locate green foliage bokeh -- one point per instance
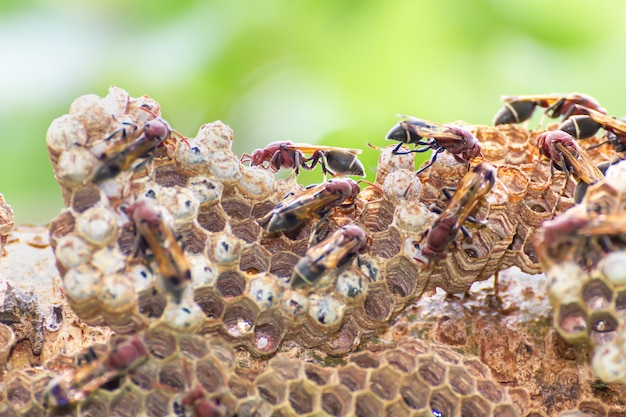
(327, 72)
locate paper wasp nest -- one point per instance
(239, 291)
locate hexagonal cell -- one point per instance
(397, 409)
(172, 375)
(432, 370)
(85, 198)
(151, 303)
(571, 319)
(337, 401)
(365, 360)
(271, 387)
(386, 245)
(126, 404)
(302, 396)
(377, 216)
(282, 264)
(210, 302)
(402, 276)
(61, 225)
(5, 411)
(230, 284)
(236, 208)
(160, 344)
(254, 259)
(477, 368)
(597, 295)
(352, 377)
(444, 401)
(385, 382)
(317, 374)
(193, 240)
(400, 360)
(157, 404)
(238, 386)
(239, 317)
(475, 405)
(246, 230)
(18, 392)
(95, 405)
(144, 376)
(210, 374)
(592, 409)
(460, 381)
(366, 405)
(529, 251)
(490, 390)
(378, 304)
(269, 332)
(211, 217)
(346, 339)
(259, 210)
(168, 176)
(192, 346)
(507, 410)
(602, 328)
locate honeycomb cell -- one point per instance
(151, 303)
(402, 276)
(211, 303)
(302, 396)
(337, 401)
(402, 185)
(377, 216)
(460, 381)
(397, 409)
(76, 167)
(203, 272)
(384, 382)
(237, 208)
(506, 410)
(365, 360)
(215, 135)
(193, 240)
(402, 361)
(378, 304)
(269, 332)
(444, 401)
(317, 374)
(475, 405)
(206, 189)
(95, 405)
(18, 391)
(239, 317)
(602, 328)
(85, 198)
(613, 267)
(72, 251)
(350, 283)
(192, 347)
(144, 376)
(225, 166)
(256, 181)
(591, 409)
(571, 320)
(326, 310)
(97, 226)
(161, 344)
(366, 405)
(386, 245)
(247, 230)
(157, 404)
(125, 404)
(172, 376)
(490, 390)
(230, 284)
(211, 218)
(223, 248)
(169, 176)
(352, 377)
(276, 245)
(210, 375)
(432, 371)
(272, 388)
(597, 295)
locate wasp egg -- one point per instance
(216, 135)
(402, 184)
(264, 291)
(564, 282)
(108, 260)
(76, 166)
(350, 283)
(64, 133)
(203, 272)
(181, 203)
(205, 189)
(81, 283)
(609, 364)
(223, 248)
(97, 226)
(256, 182)
(117, 294)
(225, 166)
(295, 303)
(72, 251)
(326, 310)
(413, 216)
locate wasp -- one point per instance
(566, 155)
(439, 137)
(518, 109)
(168, 253)
(474, 185)
(79, 383)
(335, 252)
(585, 126)
(288, 155)
(316, 200)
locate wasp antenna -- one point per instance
(374, 147)
(372, 184)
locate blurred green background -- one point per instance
(329, 72)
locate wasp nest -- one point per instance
(168, 234)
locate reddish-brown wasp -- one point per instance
(439, 137)
(288, 155)
(79, 383)
(518, 109)
(316, 200)
(335, 252)
(567, 156)
(585, 126)
(474, 185)
(173, 265)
